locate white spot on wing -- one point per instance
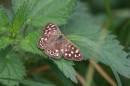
(72, 52)
(69, 46)
(77, 51)
(69, 55)
(57, 54)
(72, 48)
(66, 54)
(42, 39)
(52, 25)
(45, 33)
(45, 39)
(79, 54)
(75, 55)
(62, 50)
(41, 45)
(57, 50)
(49, 28)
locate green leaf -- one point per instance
(95, 42)
(19, 19)
(117, 77)
(35, 83)
(56, 11)
(11, 68)
(67, 68)
(3, 20)
(4, 42)
(129, 53)
(44, 11)
(29, 44)
(16, 4)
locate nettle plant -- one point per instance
(21, 29)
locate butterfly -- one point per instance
(56, 45)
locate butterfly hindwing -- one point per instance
(71, 52)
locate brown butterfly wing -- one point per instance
(55, 44)
(48, 41)
(71, 52)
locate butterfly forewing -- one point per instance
(48, 41)
(56, 44)
(51, 30)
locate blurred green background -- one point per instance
(115, 15)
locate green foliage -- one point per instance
(19, 19)
(34, 83)
(103, 52)
(3, 17)
(29, 44)
(11, 67)
(44, 11)
(81, 27)
(4, 42)
(67, 68)
(124, 33)
(3, 20)
(61, 12)
(98, 44)
(56, 11)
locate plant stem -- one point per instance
(107, 6)
(80, 78)
(103, 73)
(89, 75)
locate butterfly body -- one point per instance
(56, 45)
